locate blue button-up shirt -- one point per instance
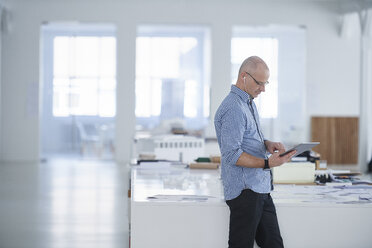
(238, 130)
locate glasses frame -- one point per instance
(257, 82)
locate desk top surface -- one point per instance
(165, 183)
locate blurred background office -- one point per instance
(88, 86)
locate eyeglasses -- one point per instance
(257, 82)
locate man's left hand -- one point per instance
(274, 147)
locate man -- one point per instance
(245, 166)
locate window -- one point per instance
(267, 49)
(84, 75)
(171, 78)
(282, 106)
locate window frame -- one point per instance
(50, 32)
(290, 125)
(274, 82)
(202, 34)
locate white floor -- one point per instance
(64, 203)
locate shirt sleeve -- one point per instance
(233, 125)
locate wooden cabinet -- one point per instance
(338, 137)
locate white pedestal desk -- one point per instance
(177, 207)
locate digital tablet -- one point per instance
(300, 148)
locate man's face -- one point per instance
(255, 83)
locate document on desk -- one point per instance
(354, 194)
(180, 198)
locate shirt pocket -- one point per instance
(251, 130)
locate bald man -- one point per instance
(245, 164)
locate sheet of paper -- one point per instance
(353, 194)
(177, 198)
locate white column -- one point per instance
(220, 68)
(368, 82)
(365, 119)
(1, 30)
(125, 102)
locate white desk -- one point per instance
(307, 218)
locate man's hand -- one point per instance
(276, 160)
(273, 147)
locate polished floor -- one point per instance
(64, 203)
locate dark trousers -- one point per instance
(253, 217)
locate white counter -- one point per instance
(172, 206)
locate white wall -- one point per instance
(332, 62)
(1, 136)
(333, 75)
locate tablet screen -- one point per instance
(300, 148)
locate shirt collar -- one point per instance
(241, 93)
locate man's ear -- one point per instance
(242, 74)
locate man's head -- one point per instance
(253, 76)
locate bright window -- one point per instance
(171, 82)
(84, 76)
(267, 49)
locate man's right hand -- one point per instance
(276, 160)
